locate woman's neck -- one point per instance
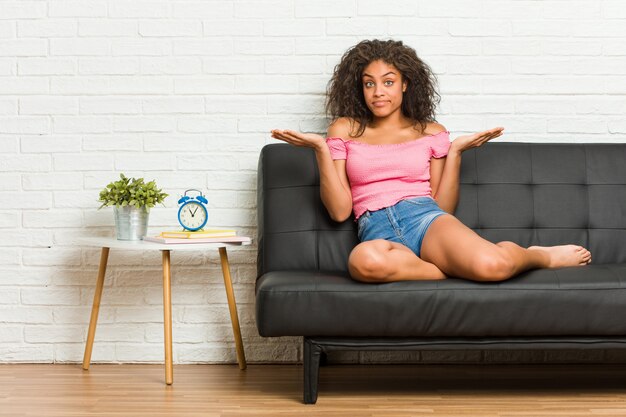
(395, 121)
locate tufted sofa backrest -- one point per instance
(528, 193)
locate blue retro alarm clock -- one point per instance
(192, 214)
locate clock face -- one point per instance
(192, 215)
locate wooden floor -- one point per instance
(345, 390)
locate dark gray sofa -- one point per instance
(531, 194)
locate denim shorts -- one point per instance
(405, 222)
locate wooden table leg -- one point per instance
(104, 256)
(232, 306)
(167, 317)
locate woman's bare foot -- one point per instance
(565, 255)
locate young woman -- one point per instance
(388, 161)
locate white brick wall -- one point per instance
(185, 92)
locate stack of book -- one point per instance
(200, 236)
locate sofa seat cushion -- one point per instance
(579, 301)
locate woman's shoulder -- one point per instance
(342, 127)
(434, 128)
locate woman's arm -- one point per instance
(444, 172)
(334, 185)
(444, 180)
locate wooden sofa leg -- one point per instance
(312, 355)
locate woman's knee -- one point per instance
(494, 265)
(369, 262)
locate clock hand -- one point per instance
(194, 212)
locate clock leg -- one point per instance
(232, 305)
(167, 317)
(104, 256)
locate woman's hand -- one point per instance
(309, 140)
(463, 143)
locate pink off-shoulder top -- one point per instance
(382, 175)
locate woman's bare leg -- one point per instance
(384, 261)
(458, 251)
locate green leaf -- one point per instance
(131, 191)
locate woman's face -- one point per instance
(382, 88)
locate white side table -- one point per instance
(107, 243)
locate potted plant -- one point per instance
(132, 199)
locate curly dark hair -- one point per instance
(344, 94)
